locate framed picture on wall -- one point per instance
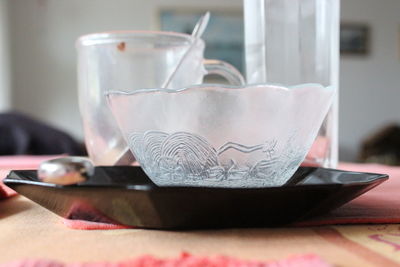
(354, 39)
(224, 35)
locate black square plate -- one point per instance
(125, 195)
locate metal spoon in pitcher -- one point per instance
(197, 32)
(127, 157)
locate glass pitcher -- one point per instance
(292, 42)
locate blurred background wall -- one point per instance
(38, 59)
(5, 64)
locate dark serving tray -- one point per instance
(125, 195)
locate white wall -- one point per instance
(5, 72)
(370, 86)
(43, 57)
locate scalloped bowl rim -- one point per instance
(218, 86)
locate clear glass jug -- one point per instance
(292, 42)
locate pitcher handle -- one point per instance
(224, 69)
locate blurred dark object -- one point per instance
(382, 147)
(20, 134)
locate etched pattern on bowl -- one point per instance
(183, 158)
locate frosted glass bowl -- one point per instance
(220, 136)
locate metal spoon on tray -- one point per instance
(65, 171)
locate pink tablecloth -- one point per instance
(185, 260)
(352, 245)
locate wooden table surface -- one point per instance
(28, 231)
